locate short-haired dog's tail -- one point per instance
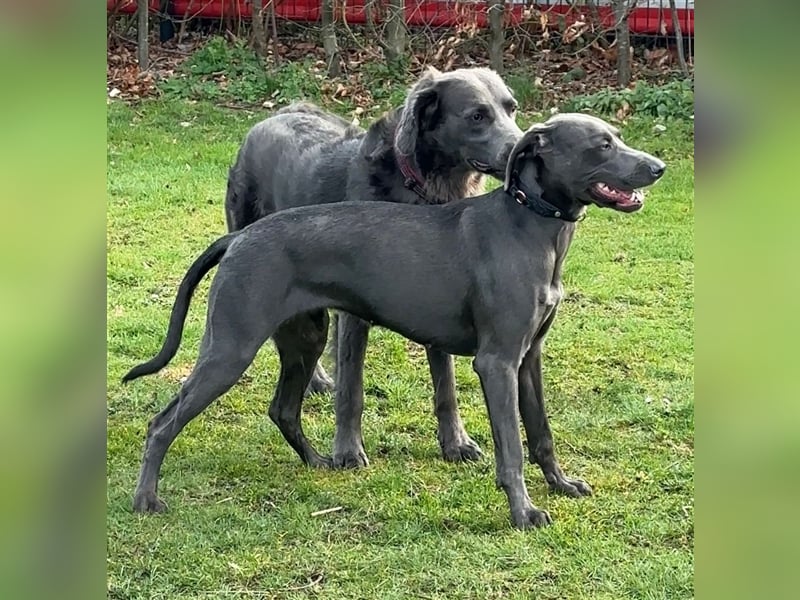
(202, 265)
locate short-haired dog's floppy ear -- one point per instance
(421, 99)
(535, 141)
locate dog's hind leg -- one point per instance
(454, 441)
(300, 342)
(218, 367)
(537, 427)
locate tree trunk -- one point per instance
(622, 9)
(143, 28)
(369, 11)
(676, 24)
(395, 30)
(259, 33)
(184, 21)
(329, 39)
(498, 39)
(276, 56)
(597, 23)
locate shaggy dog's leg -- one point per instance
(454, 441)
(300, 342)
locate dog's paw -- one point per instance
(461, 450)
(530, 518)
(575, 488)
(320, 384)
(317, 461)
(148, 502)
(351, 458)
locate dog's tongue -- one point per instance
(620, 197)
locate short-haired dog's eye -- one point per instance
(477, 117)
(606, 145)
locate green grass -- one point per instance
(618, 380)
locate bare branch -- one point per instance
(678, 38)
(142, 38)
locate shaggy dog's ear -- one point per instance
(417, 111)
(535, 141)
(378, 139)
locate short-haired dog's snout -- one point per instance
(657, 167)
(646, 169)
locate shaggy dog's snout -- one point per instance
(505, 153)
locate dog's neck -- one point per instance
(412, 178)
(526, 189)
(434, 180)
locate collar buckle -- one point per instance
(541, 206)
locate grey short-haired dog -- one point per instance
(492, 293)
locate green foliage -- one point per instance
(527, 93)
(225, 71)
(219, 56)
(674, 100)
(294, 81)
(388, 81)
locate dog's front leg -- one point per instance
(537, 427)
(498, 378)
(348, 445)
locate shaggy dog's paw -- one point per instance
(320, 384)
(317, 461)
(576, 488)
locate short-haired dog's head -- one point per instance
(576, 158)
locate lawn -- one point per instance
(618, 370)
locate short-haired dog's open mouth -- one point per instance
(616, 198)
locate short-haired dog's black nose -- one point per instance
(657, 168)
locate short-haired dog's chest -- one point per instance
(549, 296)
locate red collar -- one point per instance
(413, 180)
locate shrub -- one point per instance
(220, 70)
(674, 100)
(527, 93)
